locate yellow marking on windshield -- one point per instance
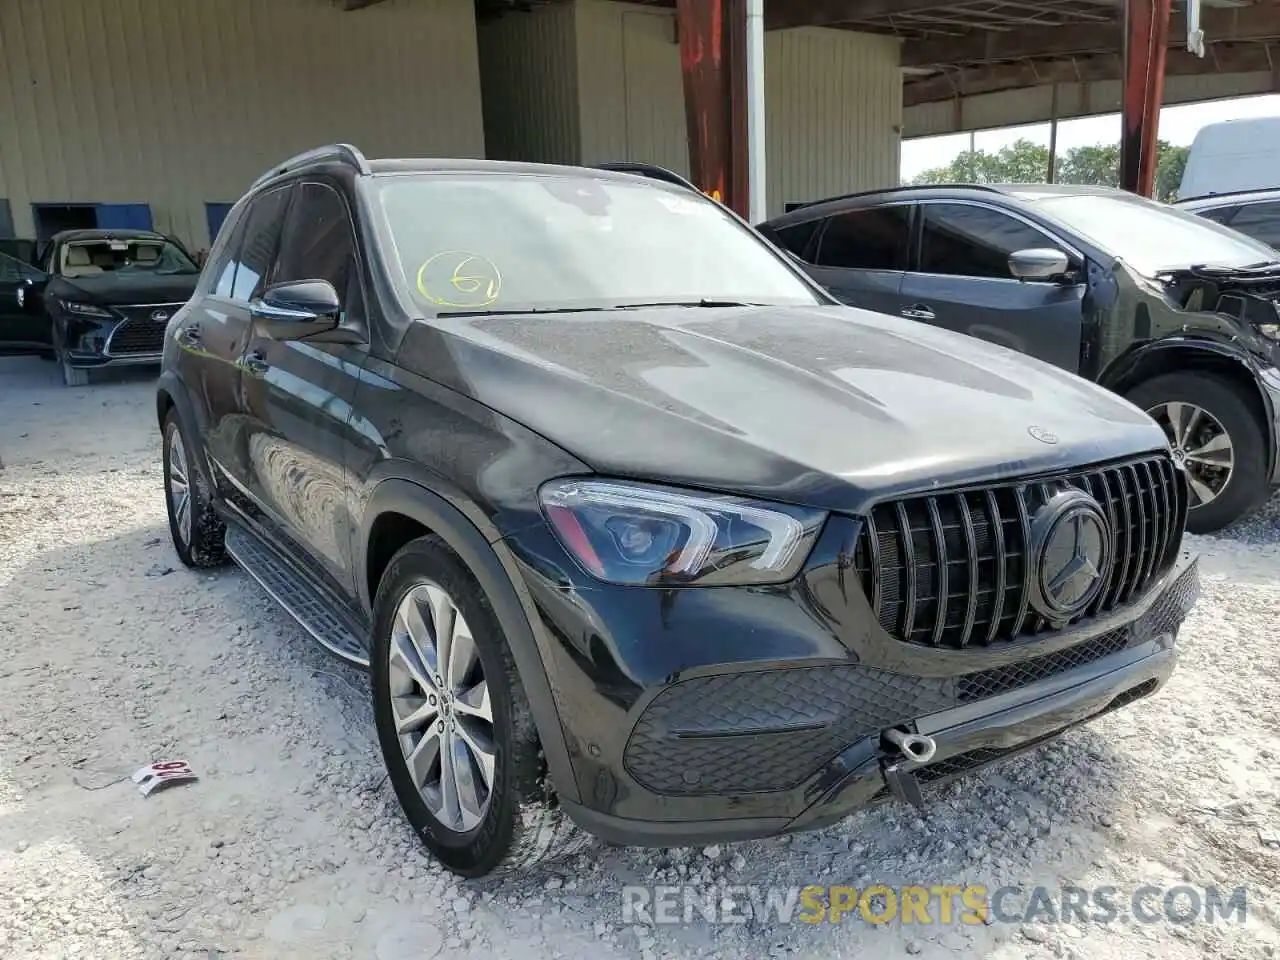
(456, 278)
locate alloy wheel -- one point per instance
(179, 486)
(1201, 444)
(441, 707)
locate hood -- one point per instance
(827, 406)
(109, 289)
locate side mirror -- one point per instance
(1038, 264)
(302, 308)
(28, 294)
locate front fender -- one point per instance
(493, 566)
(172, 392)
(1189, 353)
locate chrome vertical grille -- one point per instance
(953, 569)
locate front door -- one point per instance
(861, 256)
(298, 393)
(961, 280)
(23, 325)
(213, 329)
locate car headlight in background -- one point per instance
(638, 534)
(83, 309)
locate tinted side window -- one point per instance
(1218, 214)
(318, 243)
(970, 241)
(258, 248)
(796, 237)
(222, 259)
(1260, 221)
(872, 239)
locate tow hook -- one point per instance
(904, 748)
(915, 747)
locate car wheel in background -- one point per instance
(1217, 437)
(194, 526)
(453, 721)
(73, 376)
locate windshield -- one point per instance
(1152, 237)
(486, 243)
(83, 258)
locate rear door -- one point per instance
(961, 280)
(23, 325)
(861, 255)
(213, 330)
(298, 393)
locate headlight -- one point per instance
(83, 309)
(632, 533)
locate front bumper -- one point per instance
(131, 338)
(786, 735)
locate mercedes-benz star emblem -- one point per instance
(160, 316)
(1043, 435)
(1071, 547)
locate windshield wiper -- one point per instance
(518, 313)
(685, 303)
(602, 309)
(1218, 270)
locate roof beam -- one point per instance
(1261, 22)
(784, 14)
(973, 81)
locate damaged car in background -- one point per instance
(1172, 311)
(102, 298)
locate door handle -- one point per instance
(190, 333)
(256, 362)
(918, 311)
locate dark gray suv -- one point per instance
(1172, 311)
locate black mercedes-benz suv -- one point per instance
(1174, 312)
(631, 522)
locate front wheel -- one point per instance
(74, 376)
(453, 721)
(1217, 437)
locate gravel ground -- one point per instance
(290, 844)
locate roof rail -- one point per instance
(650, 170)
(1224, 194)
(905, 187)
(341, 152)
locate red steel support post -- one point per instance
(1146, 38)
(713, 60)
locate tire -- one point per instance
(1225, 401)
(520, 823)
(74, 376)
(197, 533)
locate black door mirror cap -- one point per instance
(310, 299)
(297, 309)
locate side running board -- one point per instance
(300, 599)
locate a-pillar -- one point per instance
(1146, 36)
(713, 60)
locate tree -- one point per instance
(1024, 161)
(1095, 165)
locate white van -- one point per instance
(1232, 156)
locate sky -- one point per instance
(1178, 125)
